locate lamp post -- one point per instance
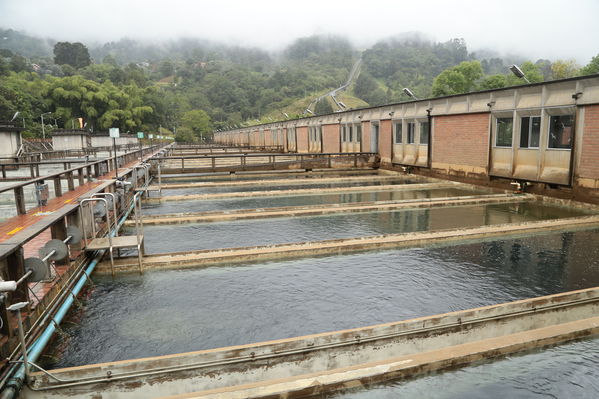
(43, 129)
(519, 73)
(409, 93)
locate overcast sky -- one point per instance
(533, 28)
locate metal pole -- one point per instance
(43, 130)
(17, 309)
(23, 347)
(116, 164)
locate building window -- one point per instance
(343, 134)
(411, 132)
(504, 132)
(358, 133)
(423, 132)
(398, 133)
(351, 134)
(560, 131)
(530, 131)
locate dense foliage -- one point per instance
(193, 87)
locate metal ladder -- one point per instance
(117, 242)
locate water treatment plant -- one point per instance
(446, 245)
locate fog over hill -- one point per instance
(536, 28)
(193, 67)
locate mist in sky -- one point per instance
(532, 28)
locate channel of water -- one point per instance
(175, 311)
(168, 207)
(196, 236)
(289, 186)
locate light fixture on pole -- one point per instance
(409, 93)
(519, 73)
(44, 130)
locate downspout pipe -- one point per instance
(429, 147)
(15, 383)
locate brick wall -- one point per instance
(331, 138)
(302, 139)
(461, 140)
(385, 132)
(589, 152)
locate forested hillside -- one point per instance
(192, 87)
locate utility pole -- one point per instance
(43, 129)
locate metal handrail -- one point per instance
(62, 172)
(93, 221)
(254, 155)
(114, 214)
(93, 218)
(146, 167)
(139, 228)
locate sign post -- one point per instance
(114, 133)
(140, 135)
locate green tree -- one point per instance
(73, 54)
(18, 63)
(323, 107)
(185, 135)
(166, 68)
(493, 82)
(592, 67)
(562, 69)
(198, 122)
(459, 79)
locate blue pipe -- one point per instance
(15, 383)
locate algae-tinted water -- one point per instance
(300, 200)
(175, 311)
(187, 237)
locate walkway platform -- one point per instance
(115, 242)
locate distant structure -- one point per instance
(10, 139)
(73, 139)
(545, 134)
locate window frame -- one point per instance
(529, 133)
(572, 127)
(398, 124)
(427, 131)
(496, 141)
(411, 138)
